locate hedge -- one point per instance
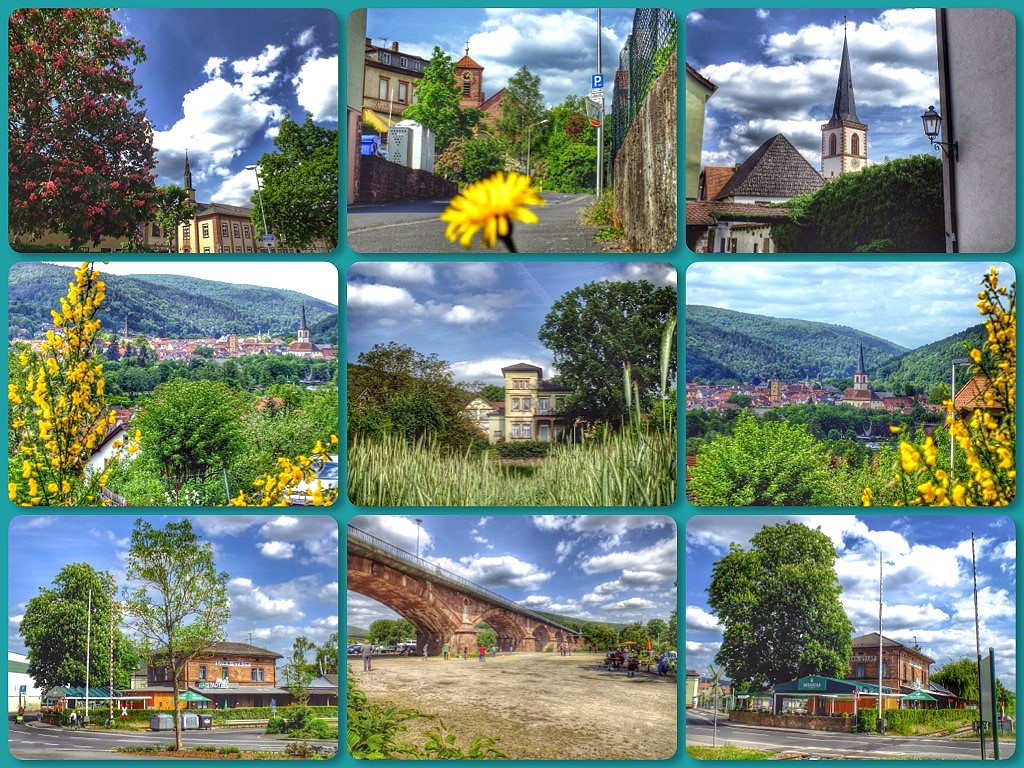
(903, 721)
(533, 449)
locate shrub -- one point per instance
(533, 449)
(229, 750)
(276, 724)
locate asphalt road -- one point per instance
(38, 741)
(416, 227)
(699, 729)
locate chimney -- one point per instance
(394, 47)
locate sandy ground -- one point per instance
(542, 706)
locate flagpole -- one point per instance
(88, 647)
(977, 646)
(880, 725)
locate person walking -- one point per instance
(426, 650)
(74, 718)
(444, 651)
(367, 659)
(483, 653)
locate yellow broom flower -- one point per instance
(490, 205)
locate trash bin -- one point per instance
(189, 721)
(161, 723)
(205, 722)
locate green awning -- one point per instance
(919, 696)
(192, 696)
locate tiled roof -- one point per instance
(550, 386)
(522, 367)
(776, 169)
(698, 212)
(243, 649)
(700, 78)
(212, 209)
(716, 177)
(972, 395)
(467, 63)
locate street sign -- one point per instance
(268, 238)
(597, 81)
(597, 94)
(594, 112)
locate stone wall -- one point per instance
(384, 182)
(803, 722)
(645, 170)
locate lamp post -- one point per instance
(932, 122)
(952, 408)
(528, 144)
(259, 191)
(418, 522)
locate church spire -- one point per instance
(188, 173)
(844, 107)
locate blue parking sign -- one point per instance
(597, 81)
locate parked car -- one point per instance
(354, 649)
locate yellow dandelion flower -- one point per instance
(490, 206)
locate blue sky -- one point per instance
(478, 316)
(282, 571)
(926, 585)
(559, 45)
(617, 568)
(218, 82)
(910, 303)
(780, 74)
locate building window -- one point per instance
(520, 384)
(385, 57)
(403, 92)
(558, 402)
(257, 674)
(206, 230)
(403, 62)
(202, 672)
(832, 144)
(542, 403)
(382, 90)
(515, 430)
(515, 403)
(885, 669)
(526, 403)
(236, 230)
(526, 430)
(245, 230)
(206, 249)
(223, 673)
(467, 84)
(855, 144)
(156, 230)
(223, 229)
(185, 232)
(860, 672)
(904, 671)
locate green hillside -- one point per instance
(170, 305)
(723, 344)
(926, 366)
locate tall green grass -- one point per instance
(629, 468)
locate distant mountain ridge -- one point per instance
(725, 344)
(170, 305)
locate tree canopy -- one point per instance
(80, 149)
(779, 604)
(437, 103)
(522, 105)
(177, 600)
(55, 626)
(173, 207)
(895, 206)
(596, 330)
(299, 186)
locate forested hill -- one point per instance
(170, 305)
(929, 365)
(723, 344)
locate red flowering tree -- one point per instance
(80, 149)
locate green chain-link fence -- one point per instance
(641, 60)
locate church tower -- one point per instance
(844, 138)
(469, 78)
(860, 376)
(188, 180)
(303, 332)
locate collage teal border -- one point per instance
(983, 260)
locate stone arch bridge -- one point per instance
(444, 607)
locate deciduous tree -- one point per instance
(80, 149)
(522, 105)
(299, 186)
(437, 103)
(595, 330)
(779, 603)
(173, 206)
(177, 600)
(55, 628)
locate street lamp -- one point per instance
(952, 409)
(932, 122)
(418, 522)
(259, 191)
(528, 144)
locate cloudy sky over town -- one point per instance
(218, 82)
(910, 303)
(780, 76)
(616, 568)
(478, 316)
(559, 45)
(282, 571)
(927, 580)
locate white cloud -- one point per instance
(698, 619)
(277, 550)
(400, 531)
(251, 602)
(463, 315)
(496, 571)
(375, 297)
(401, 272)
(316, 88)
(632, 605)
(304, 38)
(660, 557)
(214, 66)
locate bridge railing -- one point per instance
(437, 570)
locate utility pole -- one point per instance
(600, 128)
